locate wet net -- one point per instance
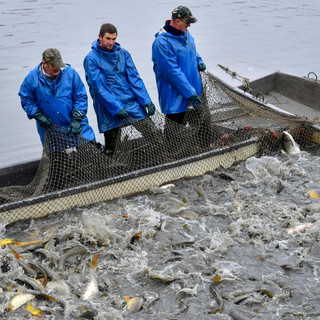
(229, 127)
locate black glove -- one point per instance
(194, 101)
(149, 108)
(75, 124)
(201, 67)
(122, 114)
(43, 120)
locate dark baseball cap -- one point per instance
(182, 12)
(53, 57)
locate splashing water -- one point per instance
(178, 251)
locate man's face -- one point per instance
(108, 40)
(183, 25)
(50, 70)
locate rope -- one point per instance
(245, 81)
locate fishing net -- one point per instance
(228, 128)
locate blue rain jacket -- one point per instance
(114, 84)
(175, 64)
(56, 99)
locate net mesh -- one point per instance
(225, 120)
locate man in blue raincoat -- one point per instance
(176, 65)
(118, 93)
(53, 93)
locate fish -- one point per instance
(27, 268)
(94, 261)
(216, 294)
(58, 287)
(71, 252)
(216, 278)
(161, 225)
(19, 300)
(269, 293)
(22, 244)
(134, 304)
(135, 237)
(288, 143)
(87, 313)
(41, 273)
(165, 189)
(299, 228)
(31, 243)
(225, 177)
(199, 192)
(237, 315)
(188, 214)
(35, 311)
(315, 194)
(32, 282)
(91, 289)
(8, 241)
(167, 186)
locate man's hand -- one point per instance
(201, 67)
(75, 124)
(149, 109)
(194, 101)
(122, 114)
(43, 120)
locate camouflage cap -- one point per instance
(182, 12)
(53, 57)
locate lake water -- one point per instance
(253, 38)
(222, 237)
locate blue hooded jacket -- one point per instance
(56, 99)
(175, 64)
(114, 84)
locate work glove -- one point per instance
(75, 124)
(43, 120)
(122, 114)
(149, 108)
(201, 67)
(194, 101)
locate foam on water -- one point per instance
(229, 225)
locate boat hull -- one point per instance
(300, 96)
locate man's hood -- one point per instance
(96, 46)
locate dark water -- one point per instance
(218, 242)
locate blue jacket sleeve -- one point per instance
(199, 59)
(27, 97)
(136, 83)
(99, 87)
(167, 63)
